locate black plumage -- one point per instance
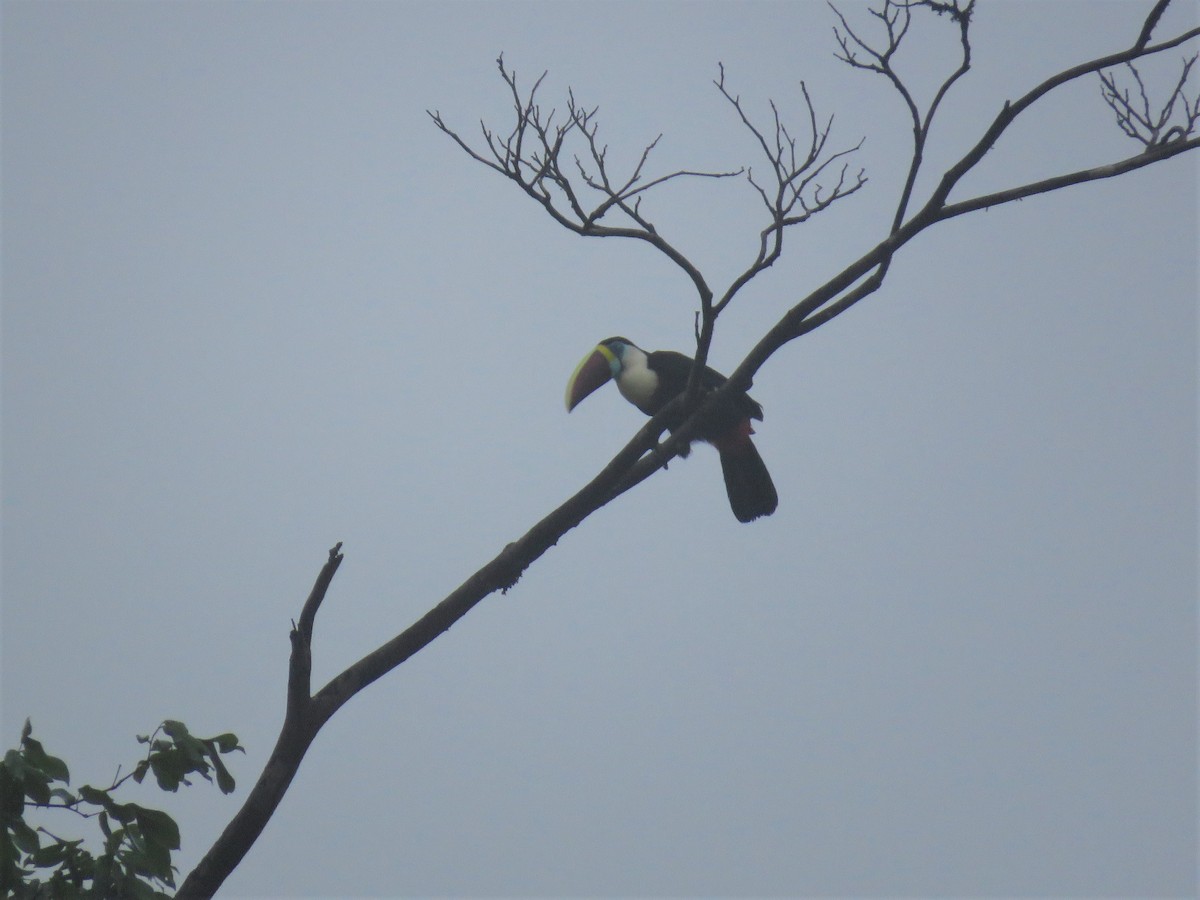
(652, 380)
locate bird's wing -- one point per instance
(678, 366)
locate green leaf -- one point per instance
(14, 761)
(140, 890)
(158, 828)
(60, 887)
(167, 771)
(140, 770)
(50, 855)
(134, 837)
(147, 859)
(114, 841)
(58, 853)
(12, 796)
(194, 751)
(37, 787)
(224, 780)
(56, 769)
(25, 837)
(53, 767)
(95, 796)
(33, 750)
(228, 742)
(124, 812)
(158, 859)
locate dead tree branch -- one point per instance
(1136, 116)
(300, 727)
(866, 275)
(859, 54)
(794, 194)
(532, 156)
(579, 189)
(535, 157)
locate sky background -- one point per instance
(254, 303)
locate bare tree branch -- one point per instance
(1136, 117)
(1151, 22)
(300, 726)
(897, 18)
(793, 176)
(531, 156)
(795, 180)
(804, 316)
(534, 157)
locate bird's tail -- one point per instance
(747, 481)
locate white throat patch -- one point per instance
(636, 382)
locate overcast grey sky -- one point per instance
(254, 303)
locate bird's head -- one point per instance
(601, 364)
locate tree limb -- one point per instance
(802, 318)
(531, 156)
(300, 726)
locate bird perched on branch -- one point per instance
(652, 380)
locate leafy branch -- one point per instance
(137, 840)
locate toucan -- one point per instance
(652, 380)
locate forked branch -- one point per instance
(564, 166)
(1148, 122)
(866, 274)
(877, 57)
(533, 155)
(577, 188)
(793, 191)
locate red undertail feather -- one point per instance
(734, 439)
(747, 481)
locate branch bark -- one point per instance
(812, 311)
(300, 726)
